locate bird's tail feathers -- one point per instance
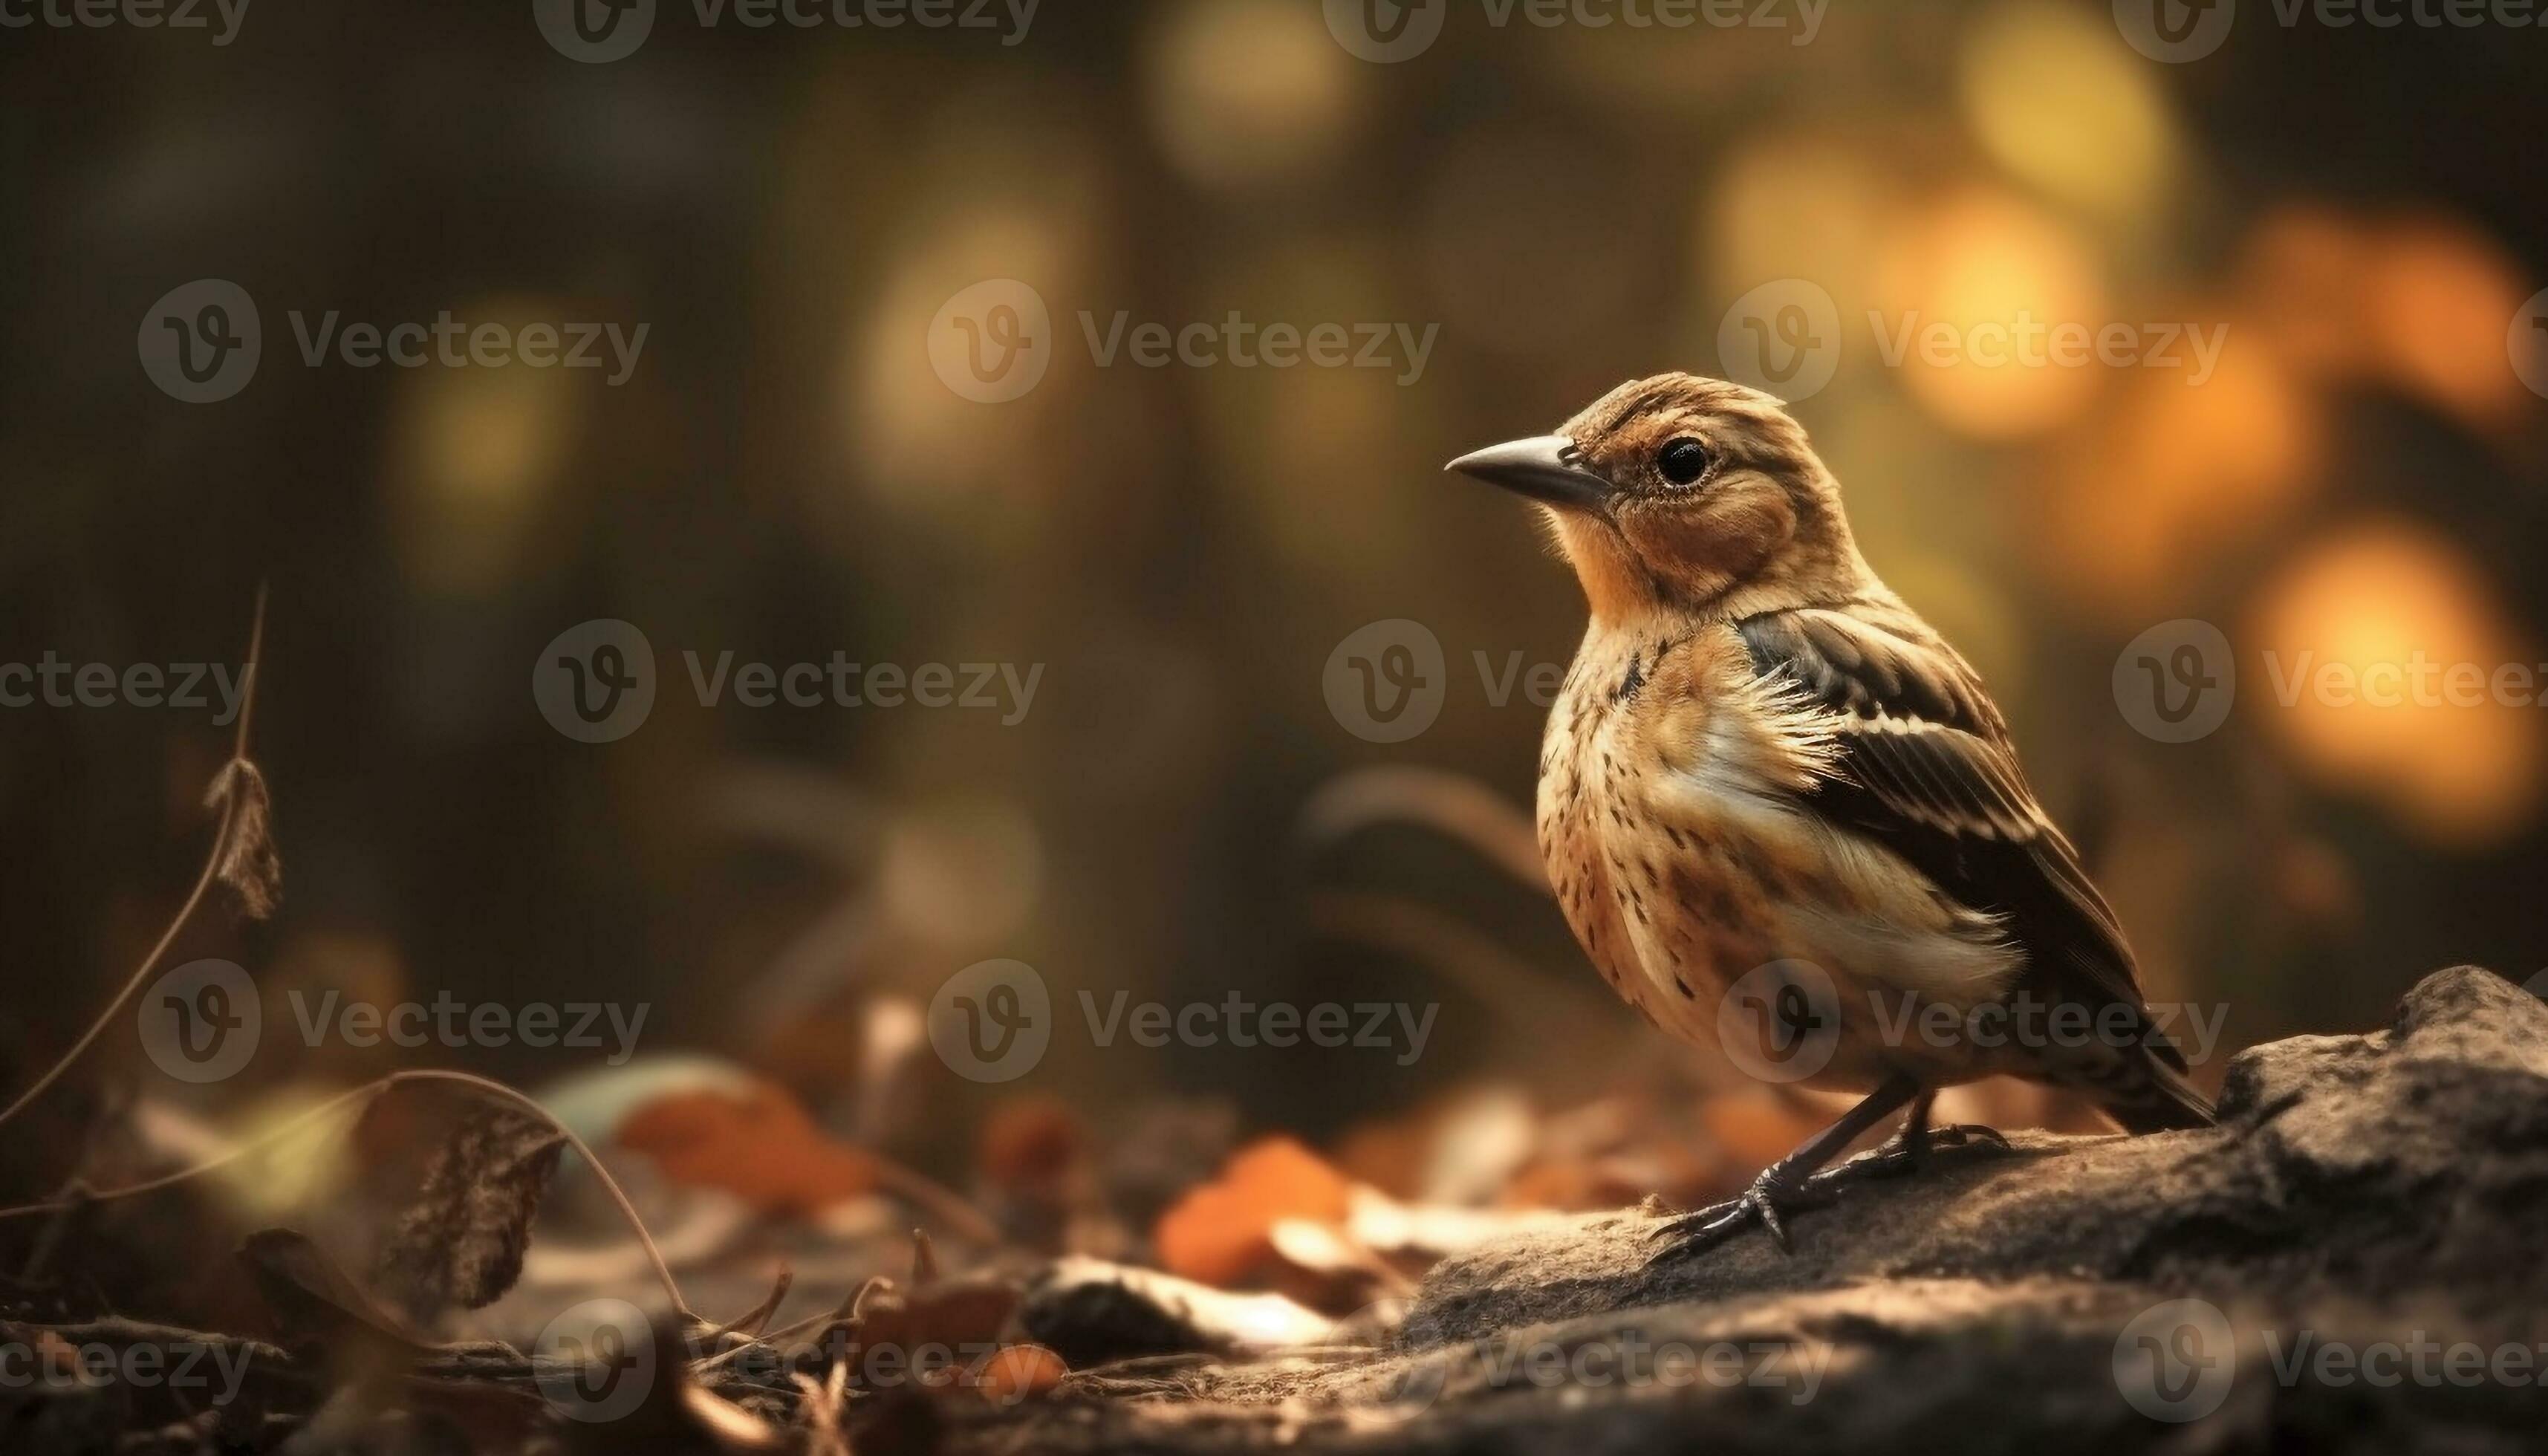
(2162, 1101)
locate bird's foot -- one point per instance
(1906, 1151)
(1769, 1200)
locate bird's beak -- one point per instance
(1546, 468)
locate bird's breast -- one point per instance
(1676, 818)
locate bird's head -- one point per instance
(1683, 493)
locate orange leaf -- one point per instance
(1220, 1232)
(1031, 1143)
(761, 1147)
(1008, 1375)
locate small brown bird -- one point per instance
(1767, 776)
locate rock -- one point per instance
(2371, 1198)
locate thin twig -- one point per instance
(938, 1198)
(231, 807)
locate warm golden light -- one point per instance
(2387, 666)
(476, 453)
(1965, 285)
(1243, 91)
(2178, 473)
(2055, 97)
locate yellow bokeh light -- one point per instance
(2441, 297)
(2052, 94)
(476, 451)
(2385, 666)
(2418, 304)
(2179, 472)
(1244, 91)
(1791, 205)
(1964, 286)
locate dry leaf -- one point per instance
(1006, 1377)
(759, 1145)
(1223, 1231)
(460, 1242)
(251, 864)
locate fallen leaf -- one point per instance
(1011, 1375)
(1223, 1231)
(758, 1144)
(460, 1242)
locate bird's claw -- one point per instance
(1967, 1135)
(1906, 1151)
(1768, 1199)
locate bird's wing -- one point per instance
(1926, 768)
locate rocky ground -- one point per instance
(2351, 1260)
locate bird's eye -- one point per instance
(1683, 461)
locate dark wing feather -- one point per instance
(1926, 768)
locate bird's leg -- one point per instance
(1909, 1148)
(1787, 1183)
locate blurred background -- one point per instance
(1180, 813)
